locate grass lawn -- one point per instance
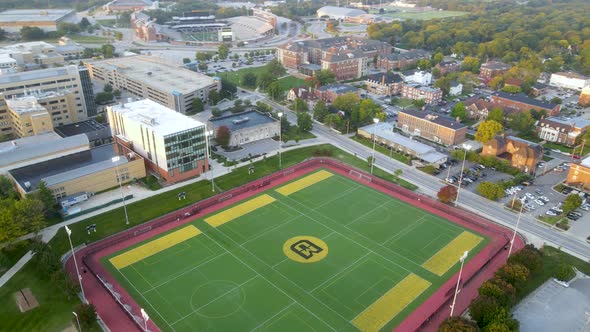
(236, 76)
(429, 15)
(289, 82)
(89, 39)
(313, 254)
(403, 102)
(11, 254)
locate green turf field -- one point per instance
(320, 253)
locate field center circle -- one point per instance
(227, 291)
(305, 249)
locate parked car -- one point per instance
(539, 191)
(540, 202)
(544, 199)
(529, 195)
(551, 213)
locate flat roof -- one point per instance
(68, 167)
(242, 120)
(33, 15)
(91, 128)
(27, 104)
(578, 122)
(37, 146)
(162, 76)
(161, 119)
(38, 74)
(435, 118)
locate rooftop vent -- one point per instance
(241, 120)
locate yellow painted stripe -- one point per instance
(390, 304)
(304, 183)
(448, 256)
(151, 248)
(239, 210)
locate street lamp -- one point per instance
(207, 146)
(462, 260)
(515, 229)
(69, 232)
(116, 160)
(280, 114)
(145, 317)
(461, 177)
(77, 321)
(375, 121)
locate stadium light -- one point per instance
(116, 160)
(462, 260)
(207, 146)
(280, 114)
(515, 230)
(375, 121)
(461, 174)
(77, 321)
(69, 232)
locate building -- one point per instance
(172, 144)
(445, 67)
(146, 28)
(539, 89)
(7, 64)
(384, 84)
(479, 108)
(456, 88)
(433, 127)
(520, 153)
(13, 20)
(246, 127)
(560, 131)
(330, 92)
(569, 80)
(35, 149)
(301, 92)
(339, 13)
(417, 77)
(89, 171)
(97, 133)
(492, 69)
(431, 96)
(401, 60)
(347, 57)
(584, 97)
(69, 49)
(522, 102)
(384, 135)
(579, 174)
(33, 55)
(117, 6)
(145, 77)
(62, 80)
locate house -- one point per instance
(522, 102)
(301, 92)
(561, 131)
(384, 84)
(492, 69)
(402, 60)
(433, 127)
(579, 174)
(479, 108)
(585, 97)
(430, 95)
(569, 80)
(330, 92)
(456, 88)
(539, 89)
(446, 67)
(520, 153)
(417, 76)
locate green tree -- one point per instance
(457, 324)
(223, 136)
(265, 79)
(320, 111)
(459, 111)
(86, 314)
(323, 77)
(564, 272)
(521, 122)
(424, 64)
(215, 112)
(108, 88)
(470, 64)
(484, 310)
(274, 68)
(487, 130)
(397, 173)
(304, 122)
(223, 51)
(299, 105)
(117, 93)
(108, 51)
(103, 97)
(2, 34)
(202, 66)
(203, 56)
(444, 83)
(447, 194)
(46, 197)
(438, 58)
(530, 257)
(275, 90)
(418, 103)
(347, 102)
(249, 80)
(513, 273)
(496, 114)
(333, 120)
(490, 190)
(31, 33)
(186, 60)
(197, 105)
(512, 89)
(572, 202)
(7, 189)
(499, 289)
(214, 97)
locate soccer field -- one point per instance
(319, 253)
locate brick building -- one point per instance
(402, 60)
(522, 102)
(384, 84)
(561, 131)
(330, 92)
(579, 174)
(479, 108)
(585, 97)
(446, 67)
(430, 95)
(492, 69)
(522, 154)
(434, 127)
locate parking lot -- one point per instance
(473, 176)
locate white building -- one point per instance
(569, 80)
(456, 88)
(246, 127)
(147, 77)
(172, 144)
(339, 13)
(13, 20)
(417, 77)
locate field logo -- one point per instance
(305, 249)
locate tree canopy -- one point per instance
(487, 130)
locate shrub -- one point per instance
(513, 273)
(457, 324)
(564, 272)
(530, 257)
(447, 194)
(86, 314)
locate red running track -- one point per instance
(426, 317)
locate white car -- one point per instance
(529, 207)
(540, 202)
(529, 195)
(550, 213)
(544, 199)
(585, 207)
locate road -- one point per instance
(430, 185)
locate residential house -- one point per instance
(417, 76)
(561, 131)
(384, 84)
(479, 108)
(539, 89)
(430, 95)
(402, 60)
(456, 88)
(520, 153)
(492, 69)
(446, 67)
(330, 92)
(434, 127)
(301, 92)
(522, 102)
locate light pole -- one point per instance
(69, 232)
(120, 180)
(461, 177)
(515, 229)
(77, 321)
(375, 121)
(280, 114)
(145, 317)
(462, 260)
(207, 134)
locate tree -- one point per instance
(496, 114)
(572, 202)
(197, 105)
(31, 33)
(499, 289)
(457, 324)
(46, 197)
(304, 122)
(7, 189)
(556, 100)
(249, 80)
(214, 97)
(86, 314)
(470, 64)
(444, 83)
(108, 88)
(299, 105)
(484, 310)
(447, 194)
(564, 272)
(320, 111)
(424, 64)
(513, 273)
(528, 256)
(223, 136)
(2, 34)
(490, 190)
(325, 76)
(347, 102)
(215, 112)
(275, 90)
(419, 103)
(186, 60)
(103, 97)
(459, 111)
(274, 68)
(223, 51)
(228, 88)
(118, 35)
(203, 56)
(521, 122)
(397, 174)
(438, 58)
(84, 23)
(107, 50)
(512, 89)
(202, 67)
(487, 130)
(333, 120)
